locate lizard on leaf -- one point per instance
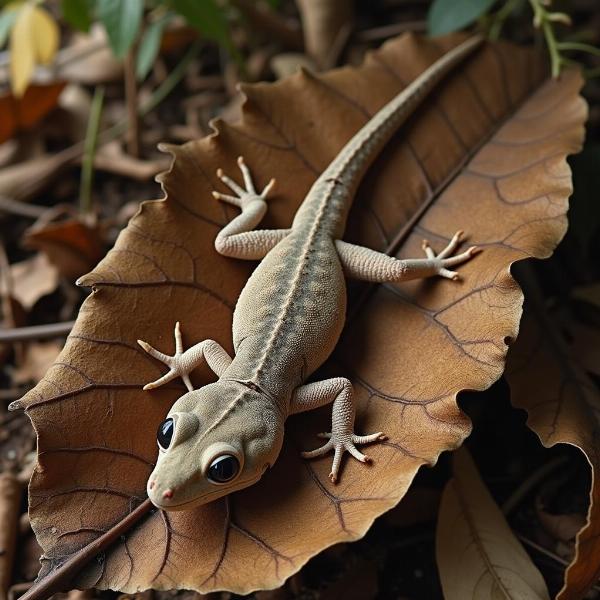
(222, 437)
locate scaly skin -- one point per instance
(286, 323)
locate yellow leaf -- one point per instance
(22, 51)
(34, 38)
(45, 34)
(477, 553)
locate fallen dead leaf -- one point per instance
(112, 158)
(71, 245)
(286, 64)
(21, 114)
(39, 357)
(563, 405)
(478, 555)
(33, 278)
(88, 60)
(76, 102)
(34, 39)
(24, 180)
(485, 153)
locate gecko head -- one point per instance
(214, 441)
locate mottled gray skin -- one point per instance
(287, 321)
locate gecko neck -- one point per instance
(333, 192)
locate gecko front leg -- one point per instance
(342, 437)
(236, 239)
(182, 363)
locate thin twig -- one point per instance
(542, 550)
(8, 396)
(270, 22)
(549, 554)
(530, 483)
(36, 332)
(21, 209)
(61, 578)
(387, 31)
(65, 56)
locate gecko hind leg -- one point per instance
(237, 240)
(368, 265)
(182, 363)
(342, 437)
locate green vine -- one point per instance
(544, 20)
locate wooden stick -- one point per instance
(60, 578)
(36, 332)
(10, 508)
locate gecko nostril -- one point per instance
(151, 485)
(168, 493)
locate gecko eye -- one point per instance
(223, 469)
(164, 435)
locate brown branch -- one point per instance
(60, 579)
(10, 504)
(36, 332)
(285, 31)
(377, 34)
(15, 207)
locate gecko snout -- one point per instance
(158, 492)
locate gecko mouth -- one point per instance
(206, 498)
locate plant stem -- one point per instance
(555, 60)
(90, 144)
(159, 94)
(72, 153)
(579, 47)
(131, 100)
(500, 17)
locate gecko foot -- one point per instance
(340, 443)
(180, 364)
(445, 258)
(243, 197)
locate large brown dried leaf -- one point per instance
(547, 379)
(485, 153)
(478, 556)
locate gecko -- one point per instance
(288, 318)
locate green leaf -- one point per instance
(207, 17)
(7, 19)
(149, 46)
(77, 14)
(121, 19)
(446, 16)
